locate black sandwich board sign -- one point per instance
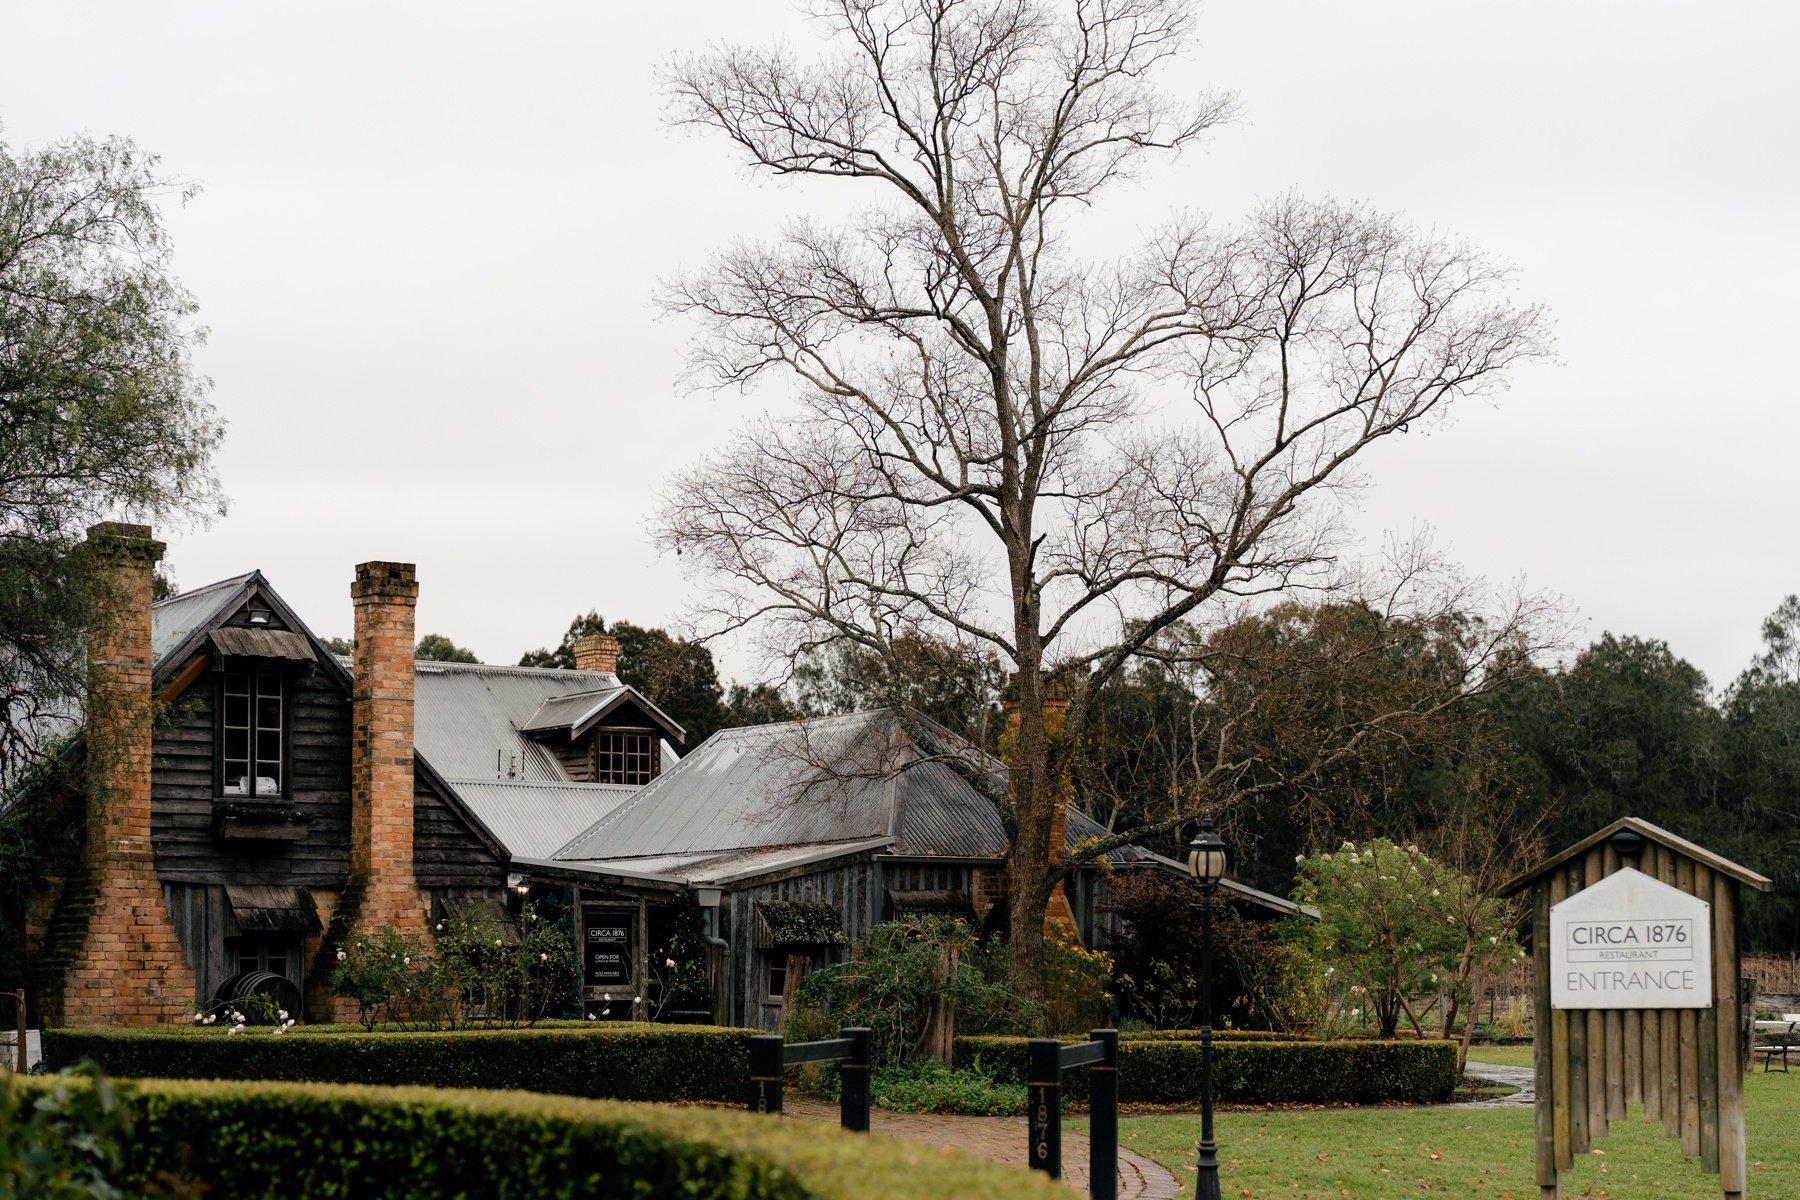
(1634, 933)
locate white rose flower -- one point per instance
(496, 941)
(440, 927)
(669, 962)
(282, 1013)
(199, 1017)
(342, 956)
(543, 958)
(590, 1016)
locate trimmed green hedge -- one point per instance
(313, 1141)
(1219, 1035)
(1248, 1071)
(614, 1061)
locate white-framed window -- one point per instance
(251, 734)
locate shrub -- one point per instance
(477, 969)
(932, 1087)
(307, 1141)
(895, 981)
(1258, 981)
(615, 1060)
(1248, 1071)
(63, 1140)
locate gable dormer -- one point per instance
(610, 734)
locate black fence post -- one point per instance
(1103, 1118)
(765, 1073)
(853, 1081)
(1044, 1093)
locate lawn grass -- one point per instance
(1375, 1154)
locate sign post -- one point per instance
(1634, 939)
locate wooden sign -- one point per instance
(1634, 937)
(1631, 941)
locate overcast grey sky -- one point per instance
(431, 233)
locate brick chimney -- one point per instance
(597, 652)
(1059, 917)
(130, 968)
(381, 748)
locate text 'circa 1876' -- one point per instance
(1631, 941)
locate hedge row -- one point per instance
(1248, 1071)
(614, 1061)
(312, 1141)
(1219, 1035)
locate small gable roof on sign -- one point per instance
(1650, 833)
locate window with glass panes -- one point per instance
(263, 953)
(624, 757)
(250, 729)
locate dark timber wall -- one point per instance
(183, 786)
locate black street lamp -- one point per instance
(1206, 863)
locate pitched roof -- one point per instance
(1653, 833)
(534, 819)
(818, 782)
(469, 719)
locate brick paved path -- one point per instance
(1003, 1140)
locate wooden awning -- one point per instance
(797, 923)
(269, 908)
(239, 641)
(931, 903)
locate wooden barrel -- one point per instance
(245, 984)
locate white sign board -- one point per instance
(1631, 941)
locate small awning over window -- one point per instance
(266, 908)
(240, 642)
(489, 910)
(930, 904)
(794, 922)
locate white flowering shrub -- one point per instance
(471, 969)
(1397, 929)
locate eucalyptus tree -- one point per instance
(1004, 444)
(102, 410)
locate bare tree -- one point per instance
(1000, 444)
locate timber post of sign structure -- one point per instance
(1043, 1097)
(766, 1072)
(1638, 999)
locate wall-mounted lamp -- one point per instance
(259, 616)
(516, 881)
(708, 897)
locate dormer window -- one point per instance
(621, 757)
(251, 729)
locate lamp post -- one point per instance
(1206, 863)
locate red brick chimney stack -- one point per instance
(381, 751)
(597, 652)
(130, 969)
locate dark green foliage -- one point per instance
(312, 1142)
(1157, 967)
(958, 686)
(101, 410)
(63, 1140)
(928, 1086)
(1248, 1070)
(30, 836)
(611, 1061)
(892, 982)
(435, 647)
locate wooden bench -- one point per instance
(1779, 1043)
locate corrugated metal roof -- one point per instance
(174, 619)
(800, 783)
(532, 820)
(821, 780)
(710, 868)
(468, 716)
